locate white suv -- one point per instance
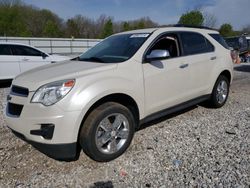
(98, 101)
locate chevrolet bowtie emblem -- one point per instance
(9, 98)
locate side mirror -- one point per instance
(158, 55)
(44, 55)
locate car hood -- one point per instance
(59, 71)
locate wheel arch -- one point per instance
(227, 74)
(120, 98)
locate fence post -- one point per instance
(71, 50)
(51, 51)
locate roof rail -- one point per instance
(192, 26)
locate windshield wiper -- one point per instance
(94, 59)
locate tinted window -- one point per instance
(194, 43)
(220, 40)
(25, 50)
(5, 50)
(232, 42)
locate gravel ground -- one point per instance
(200, 147)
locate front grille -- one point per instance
(19, 91)
(14, 109)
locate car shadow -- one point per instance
(107, 184)
(242, 68)
(5, 83)
(167, 117)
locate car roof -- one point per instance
(165, 29)
(15, 43)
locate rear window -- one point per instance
(220, 40)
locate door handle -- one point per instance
(184, 66)
(25, 59)
(213, 58)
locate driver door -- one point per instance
(30, 58)
(167, 80)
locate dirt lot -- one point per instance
(198, 147)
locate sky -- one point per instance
(236, 12)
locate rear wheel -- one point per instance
(107, 132)
(220, 92)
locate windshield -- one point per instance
(117, 48)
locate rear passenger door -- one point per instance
(29, 57)
(9, 65)
(200, 56)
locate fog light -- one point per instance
(46, 131)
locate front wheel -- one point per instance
(220, 92)
(107, 132)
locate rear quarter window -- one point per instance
(220, 40)
(195, 43)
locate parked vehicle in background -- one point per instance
(16, 58)
(248, 42)
(98, 101)
(247, 57)
(239, 44)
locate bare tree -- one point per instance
(10, 3)
(246, 30)
(209, 20)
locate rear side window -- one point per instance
(25, 51)
(220, 40)
(5, 50)
(195, 43)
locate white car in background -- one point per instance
(16, 58)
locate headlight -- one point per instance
(53, 92)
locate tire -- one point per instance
(220, 92)
(107, 132)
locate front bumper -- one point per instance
(52, 130)
(56, 151)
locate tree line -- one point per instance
(22, 20)
(197, 18)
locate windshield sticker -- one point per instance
(144, 35)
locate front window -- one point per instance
(5, 50)
(117, 48)
(167, 42)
